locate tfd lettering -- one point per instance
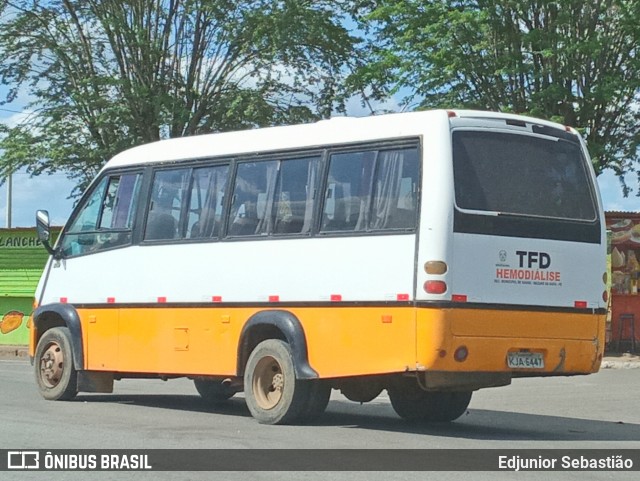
(540, 260)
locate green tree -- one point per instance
(571, 61)
(104, 75)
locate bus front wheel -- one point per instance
(273, 394)
(413, 403)
(55, 373)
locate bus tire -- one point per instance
(272, 392)
(213, 392)
(56, 375)
(319, 394)
(412, 403)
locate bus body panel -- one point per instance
(204, 340)
(244, 271)
(535, 272)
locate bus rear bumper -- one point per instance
(519, 357)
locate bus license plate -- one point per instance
(525, 360)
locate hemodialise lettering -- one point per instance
(528, 275)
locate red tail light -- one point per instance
(435, 287)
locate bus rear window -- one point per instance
(522, 175)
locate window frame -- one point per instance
(318, 155)
(189, 166)
(322, 153)
(534, 135)
(481, 222)
(376, 147)
(108, 174)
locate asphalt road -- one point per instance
(597, 411)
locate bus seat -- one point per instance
(161, 226)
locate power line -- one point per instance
(15, 111)
(40, 175)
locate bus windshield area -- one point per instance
(511, 173)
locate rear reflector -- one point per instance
(580, 304)
(459, 298)
(274, 298)
(336, 297)
(435, 287)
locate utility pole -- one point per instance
(9, 188)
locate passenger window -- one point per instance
(206, 202)
(253, 198)
(371, 191)
(165, 208)
(274, 197)
(395, 190)
(294, 196)
(348, 191)
(106, 218)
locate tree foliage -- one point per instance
(571, 61)
(103, 75)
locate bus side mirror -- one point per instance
(42, 226)
(44, 230)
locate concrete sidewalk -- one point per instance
(610, 361)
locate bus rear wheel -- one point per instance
(413, 403)
(272, 392)
(56, 375)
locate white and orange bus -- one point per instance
(430, 254)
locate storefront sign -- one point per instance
(25, 239)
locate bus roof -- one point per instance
(337, 130)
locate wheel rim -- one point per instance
(51, 365)
(268, 382)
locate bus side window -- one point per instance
(348, 191)
(206, 201)
(165, 207)
(105, 219)
(395, 192)
(252, 200)
(372, 191)
(293, 203)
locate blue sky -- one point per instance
(51, 192)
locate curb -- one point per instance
(9, 351)
(626, 360)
